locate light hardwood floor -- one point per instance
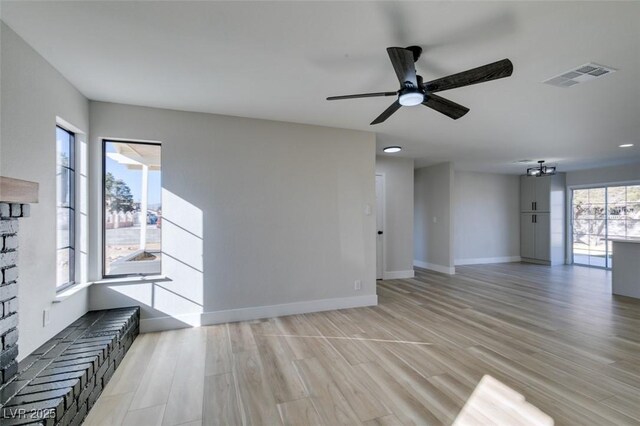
(554, 335)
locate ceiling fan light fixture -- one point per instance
(411, 99)
(392, 149)
(414, 91)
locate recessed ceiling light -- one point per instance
(626, 145)
(392, 149)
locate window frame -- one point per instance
(104, 205)
(71, 207)
(571, 219)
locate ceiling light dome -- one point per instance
(411, 99)
(392, 149)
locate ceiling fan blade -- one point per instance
(403, 64)
(488, 72)
(387, 112)
(445, 106)
(362, 95)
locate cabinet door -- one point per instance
(542, 194)
(527, 193)
(527, 236)
(542, 236)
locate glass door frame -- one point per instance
(570, 219)
(606, 226)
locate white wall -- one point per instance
(398, 219)
(433, 217)
(487, 218)
(33, 94)
(605, 175)
(259, 217)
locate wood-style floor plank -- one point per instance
(185, 400)
(218, 356)
(220, 402)
(150, 416)
(109, 410)
(132, 368)
(300, 412)
(552, 340)
(155, 384)
(325, 395)
(256, 401)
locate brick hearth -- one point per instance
(9, 214)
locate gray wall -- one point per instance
(605, 175)
(433, 217)
(487, 218)
(398, 220)
(256, 215)
(33, 94)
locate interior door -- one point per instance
(543, 236)
(527, 236)
(380, 226)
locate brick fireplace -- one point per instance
(15, 197)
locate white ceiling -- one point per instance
(279, 60)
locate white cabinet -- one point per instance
(535, 238)
(535, 193)
(527, 236)
(542, 202)
(543, 236)
(542, 207)
(527, 194)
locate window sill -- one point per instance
(75, 288)
(133, 280)
(70, 291)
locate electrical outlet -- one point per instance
(46, 318)
(435, 219)
(357, 285)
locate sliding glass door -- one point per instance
(599, 214)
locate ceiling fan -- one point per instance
(414, 92)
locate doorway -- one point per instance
(379, 227)
(599, 214)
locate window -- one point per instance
(599, 214)
(65, 206)
(132, 215)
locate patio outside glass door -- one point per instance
(599, 214)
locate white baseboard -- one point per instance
(483, 260)
(398, 275)
(450, 270)
(150, 325)
(244, 314)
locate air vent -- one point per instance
(581, 74)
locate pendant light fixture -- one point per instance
(541, 170)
